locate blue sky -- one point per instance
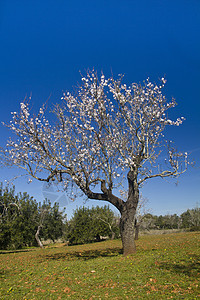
(45, 44)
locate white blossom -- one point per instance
(104, 129)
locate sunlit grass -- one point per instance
(165, 267)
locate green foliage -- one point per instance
(8, 209)
(19, 220)
(105, 221)
(89, 225)
(191, 219)
(187, 220)
(148, 222)
(80, 227)
(20, 216)
(52, 221)
(167, 222)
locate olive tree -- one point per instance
(105, 132)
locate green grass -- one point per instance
(164, 267)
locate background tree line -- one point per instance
(24, 222)
(189, 219)
(89, 225)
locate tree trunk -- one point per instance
(127, 220)
(137, 227)
(127, 231)
(37, 237)
(126, 208)
(113, 235)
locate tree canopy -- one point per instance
(104, 132)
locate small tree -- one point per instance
(53, 223)
(18, 219)
(107, 221)
(89, 225)
(8, 211)
(43, 211)
(25, 224)
(105, 132)
(50, 222)
(9, 202)
(80, 229)
(195, 218)
(191, 219)
(149, 222)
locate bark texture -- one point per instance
(137, 228)
(127, 231)
(127, 221)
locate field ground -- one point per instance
(164, 267)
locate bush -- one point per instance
(90, 225)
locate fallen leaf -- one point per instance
(67, 289)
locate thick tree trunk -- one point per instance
(126, 208)
(127, 232)
(127, 221)
(37, 237)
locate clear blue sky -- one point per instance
(44, 45)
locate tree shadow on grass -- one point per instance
(85, 254)
(187, 267)
(16, 251)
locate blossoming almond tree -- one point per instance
(102, 132)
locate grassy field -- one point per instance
(165, 267)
